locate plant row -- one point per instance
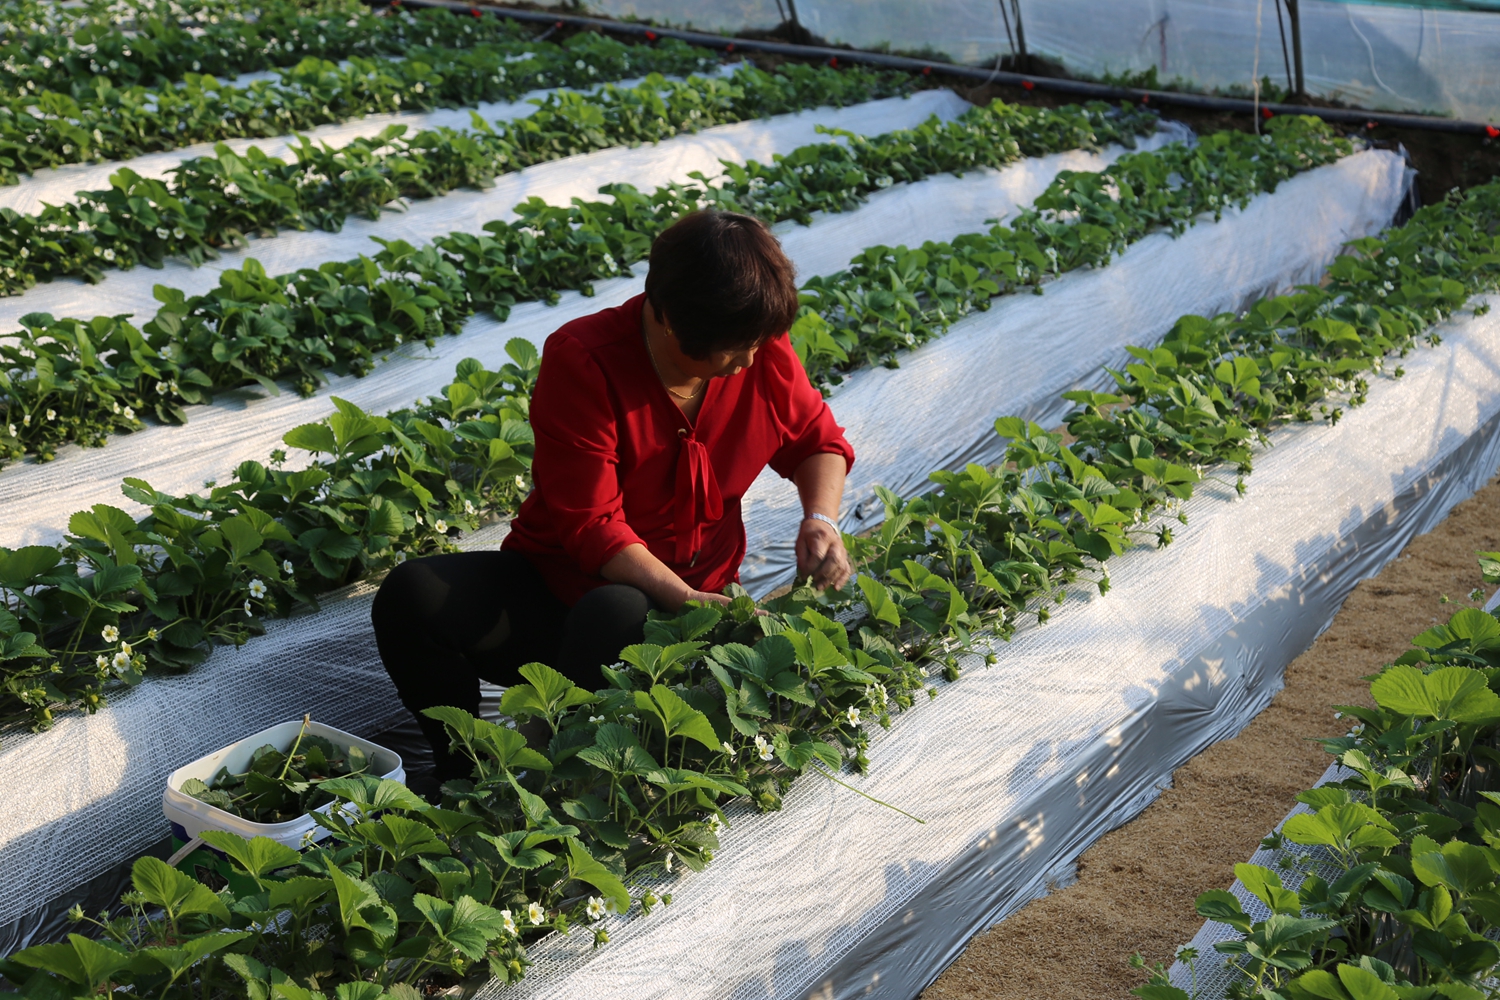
(46, 128)
(45, 46)
(78, 381)
(1389, 888)
(895, 298)
(717, 703)
(216, 201)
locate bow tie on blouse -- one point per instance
(698, 501)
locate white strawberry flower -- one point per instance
(101, 661)
(151, 634)
(668, 862)
(469, 508)
(257, 589)
(122, 661)
(247, 608)
(129, 413)
(440, 526)
(852, 714)
(125, 648)
(109, 255)
(535, 913)
(509, 921)
(595, 908)
(286, 567)
(110, 634)
(729, 749)
(178, 232)
(51, 414)
(595, 719)
(520, 482)
(26, 420)
(162, 388)
(400, 558)
(161, 233)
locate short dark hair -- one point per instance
(721, 281)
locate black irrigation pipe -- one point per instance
(1079, 88)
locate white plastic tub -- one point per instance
(190, 817)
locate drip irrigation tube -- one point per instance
(1080, 88)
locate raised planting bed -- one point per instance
(1019, 767)
(338, 640)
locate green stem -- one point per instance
(856, 791)
(306, 721)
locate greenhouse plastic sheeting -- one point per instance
(1018, 767)
(85, 794)
(938, 409)
(1387, 56)
(37, 498)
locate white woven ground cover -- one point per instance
(1017, 768)
(107, 805)
(89, 793)
(36, 499)
(556, 182)
(938, 409)
(57, 185)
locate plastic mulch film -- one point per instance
(36, 499)
(85, 794)
(58, 185)
(1208, 976)
(556, 182)
(938, 409)
(1019, 767)
(1390, 56)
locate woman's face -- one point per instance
(718, 364)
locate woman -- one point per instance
(651, 421)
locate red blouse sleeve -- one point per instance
(577, 455)
(808, 427)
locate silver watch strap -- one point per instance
(824, 518)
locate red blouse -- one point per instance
(618, 463)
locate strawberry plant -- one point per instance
(895, 298)
(255, 328)
(99, 119)
(1387, 886)
(718, 703)
(152, 43)
(212, 202)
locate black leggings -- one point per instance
(444, 622)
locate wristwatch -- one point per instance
(824, 518)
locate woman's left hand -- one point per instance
(821, 555)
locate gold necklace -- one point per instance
(657, 368)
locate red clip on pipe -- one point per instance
(1492, 131)
(475, 11)
(729, 47)
(651, 36)
(1028, 85)
(926, 70)
(1267, 113)
(833, 61)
